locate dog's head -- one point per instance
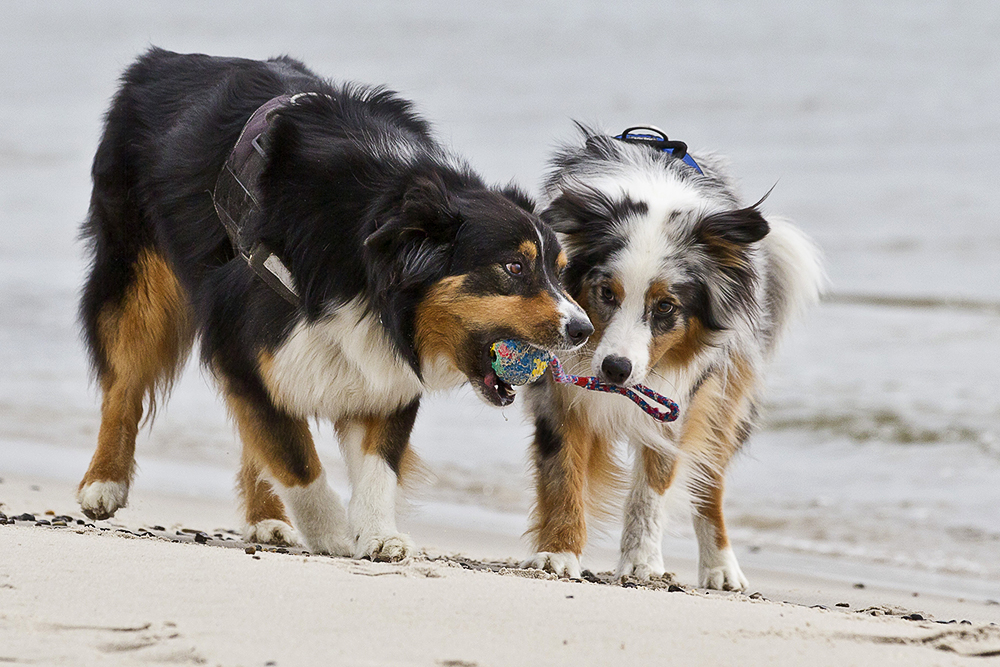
(661, 258)
(460, 266)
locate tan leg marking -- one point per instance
(560, 521)
(280, 444)
(260, 502)
(711, 438)
(659, 469)
(145, 340)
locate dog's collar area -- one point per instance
(237, 196)
(658, 140)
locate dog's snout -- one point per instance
(616, 369)
(577, 330)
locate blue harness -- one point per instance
(677, 149)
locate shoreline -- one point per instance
(195, 486)
(130, 594)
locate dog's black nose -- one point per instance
(616, 369)
(578, 330)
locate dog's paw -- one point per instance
(331, 544)
(640, 565)
(271, 531)
(723, 573)
(560, 563)
(386, 548)
(100, 500)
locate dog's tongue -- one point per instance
(491, 380)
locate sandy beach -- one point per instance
(864, 512)
(169, 581)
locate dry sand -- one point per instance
(141, 589)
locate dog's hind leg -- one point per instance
(376, 450)
(281, 447)
(138, 339)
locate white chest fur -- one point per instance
(344, 364)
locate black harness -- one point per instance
(237, 197)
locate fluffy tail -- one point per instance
(795, 275)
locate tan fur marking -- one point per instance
(374, 443)
(570, 484)
(447, 314)
(670, 345)
(374, 435)
(260, 503)
(600, 324)
(145, 340)
(561, 260)
(268, 450)
(710, 436)
(678, 348)
(656, 293)
(659, 469)
(726, 252)
(529, 250)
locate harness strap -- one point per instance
(677, 149)
(237, 198)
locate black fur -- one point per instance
(358, 201)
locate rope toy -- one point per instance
(517, 363)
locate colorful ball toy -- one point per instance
(517, 363)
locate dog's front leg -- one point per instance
(562, 457)
(375, 448)
(645, 514)
(279, 455)
(717, 564)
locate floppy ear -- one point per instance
(519, 197)
(590, 211)
(425, 215)
(730, 286)
(565, 214)
(409, 251)
(741, 227)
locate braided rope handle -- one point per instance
(592, 383)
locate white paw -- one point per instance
(331, 544)
(389, 548)
(641, 564)
(722, 573)
(100, 500)
(560, 563)
(271, 531)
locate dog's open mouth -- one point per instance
(495, 390)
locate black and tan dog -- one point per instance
(689, 291)
(362, 265)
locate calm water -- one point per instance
(880, 125)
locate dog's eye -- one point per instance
(514, 268)
(607, 295)
(665, 308)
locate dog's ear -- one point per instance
(519, 197)
(416, 239)
(590, 211)
(563, 214)
(426, 212)
(724, 237)
(740, 227)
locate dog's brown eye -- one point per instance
(665, 308)
(607, 294)
(514, 268)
